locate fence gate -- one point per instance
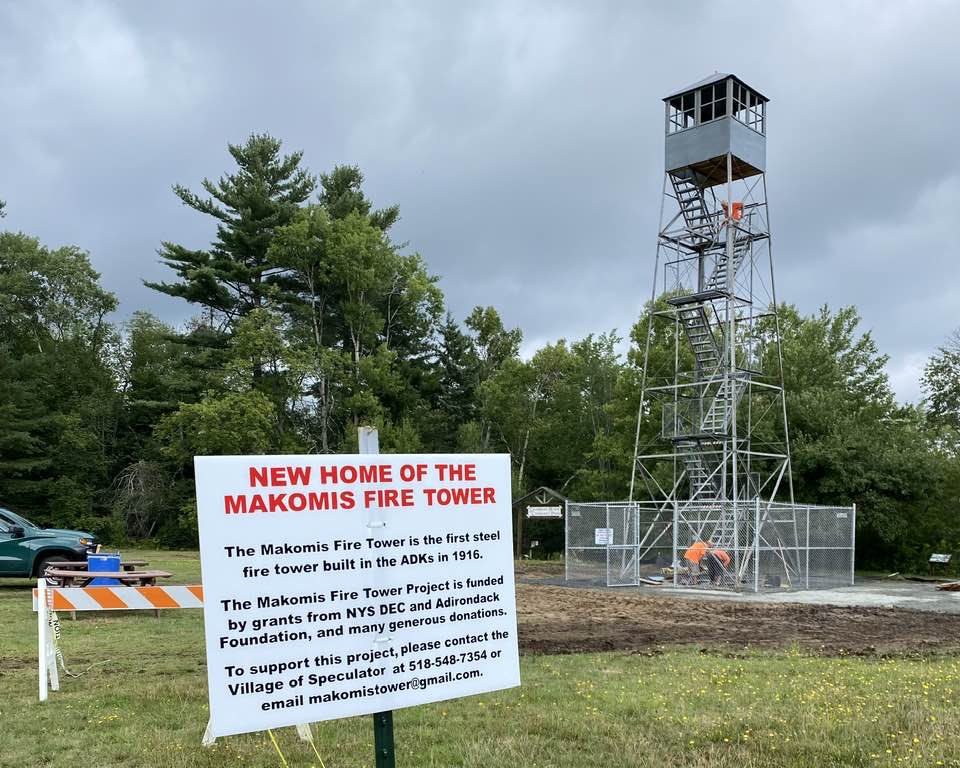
(623, 565)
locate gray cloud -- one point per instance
(523, 141)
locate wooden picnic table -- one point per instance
(77, 578)
(79, 565)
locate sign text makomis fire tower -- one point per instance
(723, 442)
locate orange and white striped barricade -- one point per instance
(121, 598)
(47, 600)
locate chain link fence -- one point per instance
(769, 545)
(617, 543)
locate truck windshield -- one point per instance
(14, 519)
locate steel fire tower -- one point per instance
(713, 370)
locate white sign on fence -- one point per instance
(347, 585)
(544, 511)
(602, 536)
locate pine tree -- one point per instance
(230, 279)
(457, 375)
(342, 194)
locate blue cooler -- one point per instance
(107, 564)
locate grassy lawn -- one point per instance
(146, 706)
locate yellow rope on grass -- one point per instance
(276, 746)
(315, 751)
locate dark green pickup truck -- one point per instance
(26, 548)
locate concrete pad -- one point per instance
(871, 593)
(866, 593)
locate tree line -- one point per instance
(310, 320)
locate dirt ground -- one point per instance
(555, 619)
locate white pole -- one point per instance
(208, 739)
(369, 443)
(676, 525)
(42, 634)
(756, 546)
(607, 538)
(369, 440)
(853, 545)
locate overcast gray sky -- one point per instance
(523, 141)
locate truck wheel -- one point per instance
(41, 568)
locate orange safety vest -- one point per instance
(696, 552)
(722, 556)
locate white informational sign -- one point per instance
(602, 536)
(544, 511)
(348, 585)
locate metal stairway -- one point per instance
(701, 222)
(716, 420)
(700, 457)
(699, 469)
(696, 326)
(723, 533)
(701, 453)
(718, 278)
(706, 488)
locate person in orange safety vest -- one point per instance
(717, 561)
(704, 553)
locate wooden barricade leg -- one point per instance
(42, 630)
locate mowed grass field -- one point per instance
(144, 704)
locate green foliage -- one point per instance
(342, 194)
(58, 401)
(235, 423)
(494, 344)
(365, 314)
(851, 442)
(313, 323)
(456, 381)
(248, 206)
(941, 384)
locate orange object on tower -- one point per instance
(734, 212)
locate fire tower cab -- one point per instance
(710, 118)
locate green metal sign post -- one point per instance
(383, 739)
